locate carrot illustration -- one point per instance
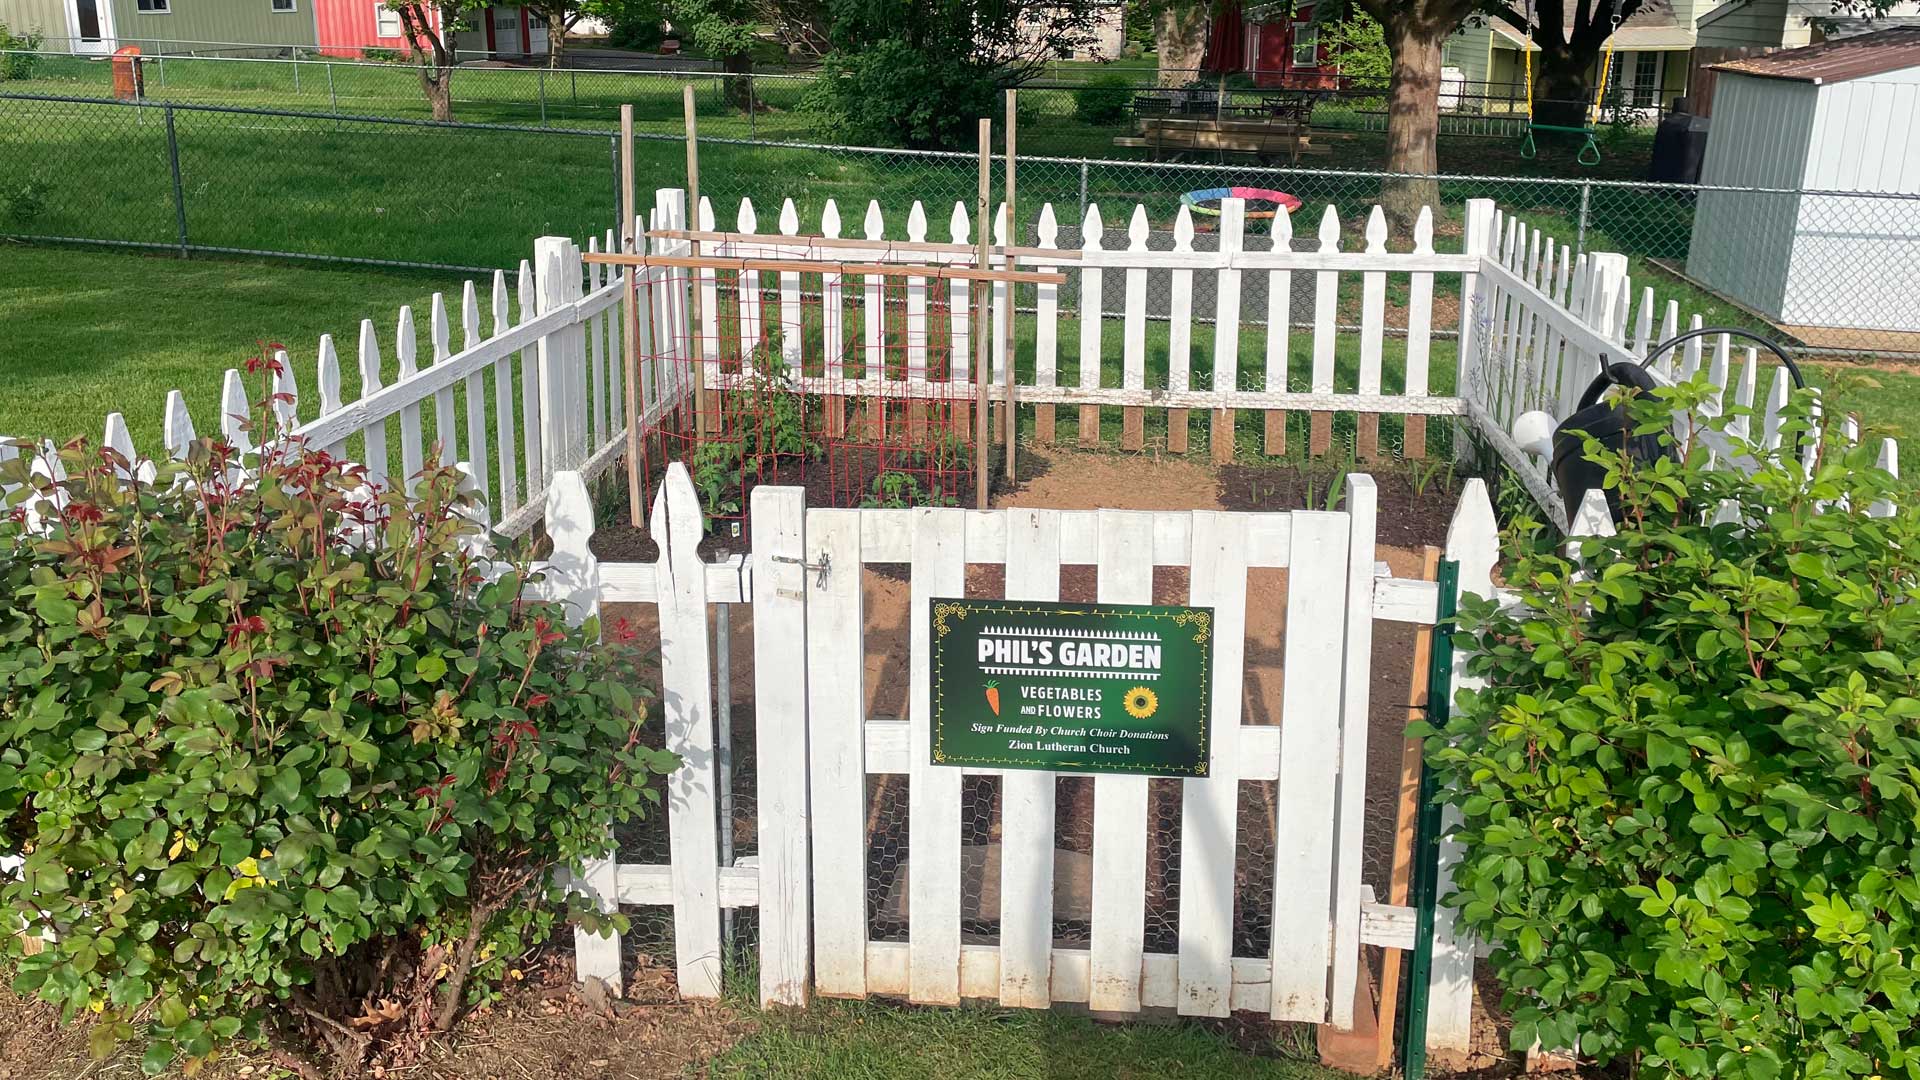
(993, 697)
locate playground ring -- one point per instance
(1207, 200)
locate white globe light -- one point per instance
(1533, 431)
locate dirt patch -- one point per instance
(846, 477)
(1416, 500)
(538, 1032)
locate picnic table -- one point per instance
(1264, 138)
(1273, 124)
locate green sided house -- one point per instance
(1650, 53)
(230, 27)
(1658, 45)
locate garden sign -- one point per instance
(1091, 688)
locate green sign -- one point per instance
(1100, 688)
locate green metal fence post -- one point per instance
(296, 77)
(543, 97)
(753, 111)
(1426, 844)
(333, 99)
(1083, 193)
(179, 192)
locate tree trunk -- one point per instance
(739, 80)
(437, 85)
(556, 41)
(1562, 90)
(1180, 39)
(1413, 122)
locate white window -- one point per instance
(1306, 45)
(386, 21)
(281, 7)
(1646, 79)
(154, 7)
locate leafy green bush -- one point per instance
(19, 60)
(1104, 99)
(285, 750)
(1691, 789)
(893, 94)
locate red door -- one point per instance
(1274, 54)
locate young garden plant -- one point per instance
(285, 759)
(1690, 791)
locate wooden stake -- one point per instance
(699, 357)
(1400, 881)
(637, 513)
(1009, 413)
(982, 324)
(1320, 434)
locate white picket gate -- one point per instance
(818, 749)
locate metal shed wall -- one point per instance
(1743, 241)
(1856, 260)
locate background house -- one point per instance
(1283, 47)
(1650, 53)
(1833, 117)
(1781, 24)
(350, 27)
(166, 26)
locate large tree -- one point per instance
(1414, 31)
(1180, 37)
(1570, 35)
(724, 30)
(429, 28)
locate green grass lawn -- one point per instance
(85, 332)
(871, 1041)
(1050, 124)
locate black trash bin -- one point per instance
(1679, 146)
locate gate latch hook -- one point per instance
(822, 568)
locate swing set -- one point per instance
(1589, 149)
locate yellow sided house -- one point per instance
(226, 27)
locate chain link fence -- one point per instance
(1832, 266)
(267, 182)
(1057, 115)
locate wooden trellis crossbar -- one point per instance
(811, 266)
(1027, 254)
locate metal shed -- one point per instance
(1816, 125)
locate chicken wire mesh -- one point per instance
(853, 386)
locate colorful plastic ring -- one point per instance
(1197, 201)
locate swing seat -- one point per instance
(1589, 149)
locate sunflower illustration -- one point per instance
(1140, 702)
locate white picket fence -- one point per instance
(1538, 322)
(551, 349)
(1079, 312)
(1533, 322)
